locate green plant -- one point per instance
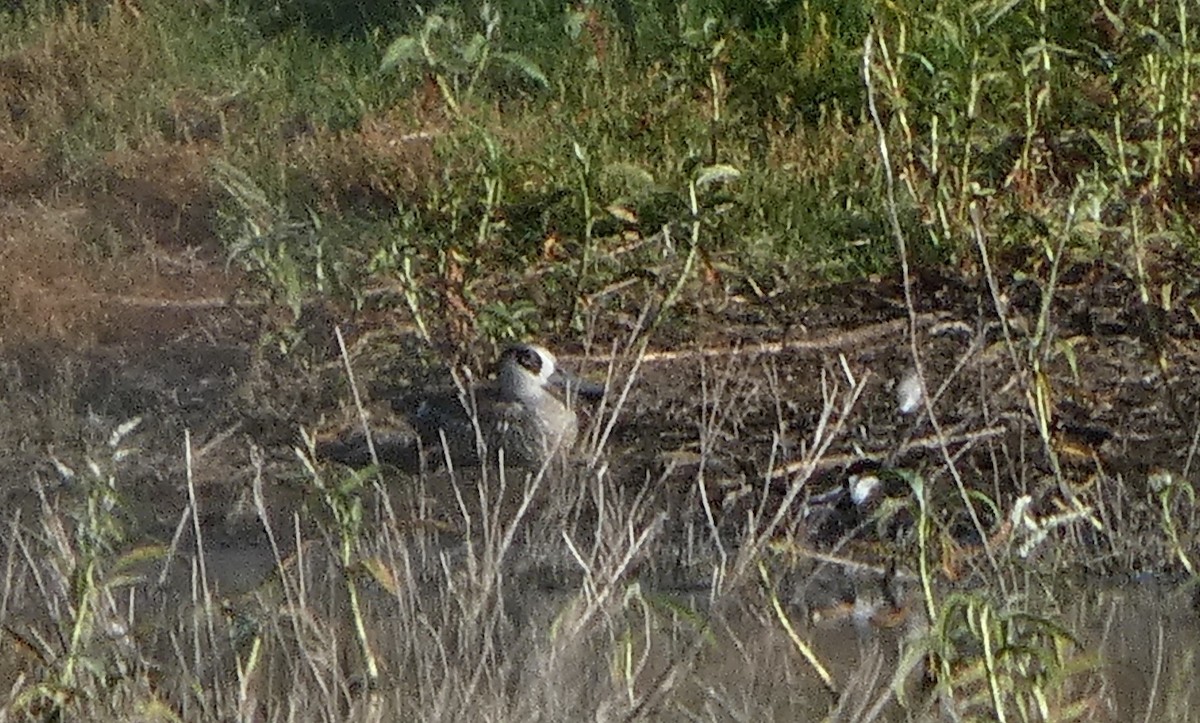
(457, 58)
(508, 321)
(1005, 665)
(84, 573)
(1172, 498)
(343, 502)
(287, 253)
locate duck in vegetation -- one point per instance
(527, 411)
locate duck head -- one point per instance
(528, 371)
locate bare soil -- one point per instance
(736, 391)
(97, 331)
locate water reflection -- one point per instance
(734, 659)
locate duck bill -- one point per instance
(575, 386)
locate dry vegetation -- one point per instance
(229, 231)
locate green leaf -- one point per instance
(403, 50)
(716, 174)
(574, 23)
(474, 49)
(527, 67)
(634, 175)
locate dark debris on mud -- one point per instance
(735, 414)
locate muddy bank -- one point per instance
(790, 395)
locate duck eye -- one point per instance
(531, 360)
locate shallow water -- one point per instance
(1137, 646)
(454, 648)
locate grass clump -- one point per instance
(636, 176)
(449, 121)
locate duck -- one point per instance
(526, 414)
